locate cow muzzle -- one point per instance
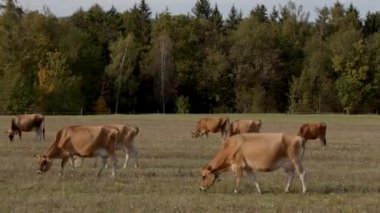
(40, 172)
(201, 188)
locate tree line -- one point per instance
(134, 61)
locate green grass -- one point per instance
(343, 178)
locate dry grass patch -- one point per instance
(342, 178)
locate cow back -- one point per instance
(27, 122)
(84, 140)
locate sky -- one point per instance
(67, 7)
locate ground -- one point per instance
(343, 178)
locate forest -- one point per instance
(272, 60)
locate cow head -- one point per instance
(10, 134)
(44, 163)
(194, 134)
(208, 178)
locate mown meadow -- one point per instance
(345, 177)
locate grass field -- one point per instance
(343, 178)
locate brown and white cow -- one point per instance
(82, 141)
(251, 152)
(311, 131)
(213, 125)
(125, 141)
(244, 126)
(27, 123)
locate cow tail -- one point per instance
(231, 129)
(227, 127)
(43, 128)
(137, 130)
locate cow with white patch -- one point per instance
(82, 141)
(27, 123)
(213, 125)
(125, 141)
(251, 152)
(311, 131)
(244, 126)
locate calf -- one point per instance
(27, 123)
(244, 126)
(213, 125)
(261, 152)
(82, 141)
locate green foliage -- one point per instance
(351, 60)
(252, 100)
(202, 9)
(182, 105)
(265, 62)
(101, 106)
(259, 13)
(233, 19)
(124, 55)
(371, 24)
(57, 90)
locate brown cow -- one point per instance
(311, 131)
(27, 123)
(83, 141)
(213, 125)
(256, 151)
(244, 126)
(124, 141)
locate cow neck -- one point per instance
(219, 163)
(52, 151)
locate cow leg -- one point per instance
(113, 162)
(238, 173)
(301, 173)
(323, 141)
(63, 163)
(38, 134)
(252, 176)
(43, 133)
(72, 160)
(103, 161)
(19, 135)
(127, 153)
(302, 150)
(290, 171)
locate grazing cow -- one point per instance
(244, 126)
(251, 152)
(27, 123)
(311, 131)
(82, 141)
(213, 125)
(124, 141)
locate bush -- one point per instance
(182, 104)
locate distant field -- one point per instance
(343, 178)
